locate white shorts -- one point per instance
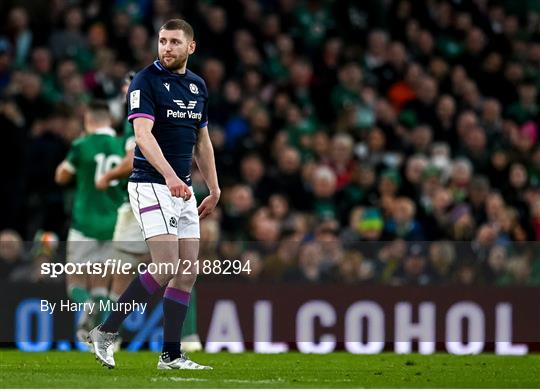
(127, 233)
(159, 213)
(81, 248)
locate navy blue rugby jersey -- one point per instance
(177, 103)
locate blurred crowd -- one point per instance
(389, 141)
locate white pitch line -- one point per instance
(174, 378)
(269, 381)
(194, 379)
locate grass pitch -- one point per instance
(289, 370)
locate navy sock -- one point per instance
(175, 305)
(140, 290)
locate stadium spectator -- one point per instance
(22, 37)
(350, 268)
(308, 268)
(239, 204)
(12, 253)
(442, 259)
(414, 269)
(402, 223)
(70, 41)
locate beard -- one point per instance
(176, 64)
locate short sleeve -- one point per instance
(140, 98)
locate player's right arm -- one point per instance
(152, 152)
(141, 113)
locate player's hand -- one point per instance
(102, 183)
(208, 205)
(178, 188)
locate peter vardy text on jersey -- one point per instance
(184, 114)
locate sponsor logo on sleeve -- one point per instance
(135, 99)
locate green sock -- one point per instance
(101, 302)
(78, 294)
(190, 323)
(111, 298)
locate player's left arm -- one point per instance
(67, 169)
(121, 171)
(204, 157)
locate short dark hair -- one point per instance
(179, 24)
(99, 110)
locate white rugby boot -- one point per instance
(103, 344)
(182, 362)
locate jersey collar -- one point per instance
(106, 131)
(158, 65)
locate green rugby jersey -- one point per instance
(128, 138)
(128, 142)
(94, 211)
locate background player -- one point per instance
(128, 242)
(168, 107)
(94, 211)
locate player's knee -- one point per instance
(185, 281)
(162, 278)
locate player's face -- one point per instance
(174, 49)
